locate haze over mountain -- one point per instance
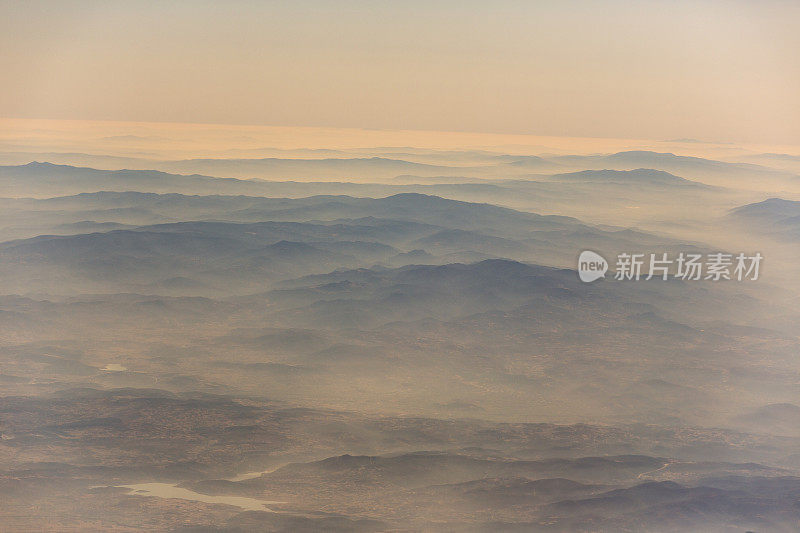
(411, 349)
(775, 217)
(639, 177)
(394, 267)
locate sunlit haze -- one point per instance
(714, 70)
(373, 267)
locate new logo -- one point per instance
(591, 266)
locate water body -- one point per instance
(251, 475)
(167, 490)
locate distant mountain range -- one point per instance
(639, 177)
(392, 339)
(665, 161)
(776, 217)
(375, 168)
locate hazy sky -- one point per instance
(715, 70)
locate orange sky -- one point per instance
(717, 70)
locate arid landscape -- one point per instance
(399, 266)
(225, 351)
